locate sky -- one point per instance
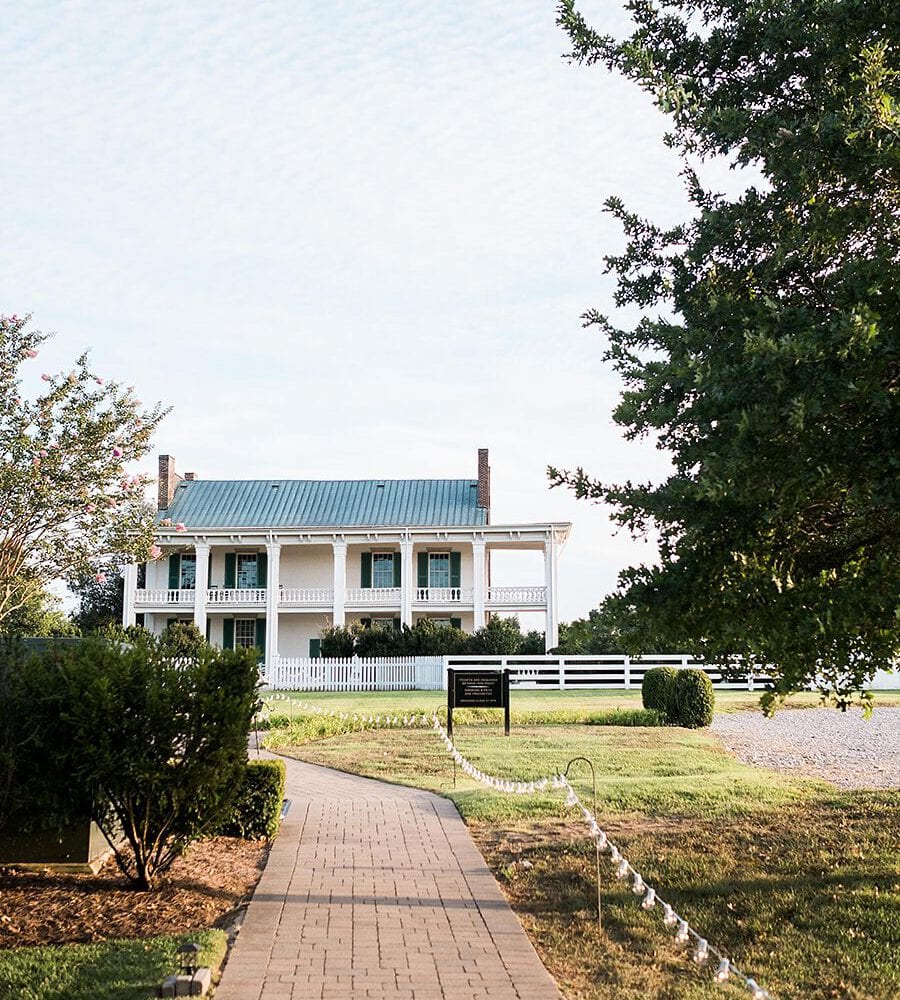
(341, 240)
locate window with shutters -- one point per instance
(382, 569)
(246, 572)
(244, 633)
(438, 569)
(188, 572)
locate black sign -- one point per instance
(483, 689)
(477, 689)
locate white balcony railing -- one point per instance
(443, 595)
(517, 596)
(218, 596)
(164, 597)
(373, 595)
(303, 596)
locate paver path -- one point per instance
(377, 891)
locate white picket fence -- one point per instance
(377, 673)
(429, 673)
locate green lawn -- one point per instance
(111, 970)
(798, 882)
(583, 702)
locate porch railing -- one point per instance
(236, 595)
(164, 596)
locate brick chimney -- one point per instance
(484, 482)
(168, 482)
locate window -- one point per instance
(438, 569)
(385, 623)
(246, 572)
(382, 569)
(188, 572)
(440, 622)
(244, 633)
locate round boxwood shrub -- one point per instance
(658, 690)
(694, 699)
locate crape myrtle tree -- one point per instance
(767, 363)
(67, 507)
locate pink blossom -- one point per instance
(155, 552)
(46, 377)
(100, 578)
(111, 501)
(73, 378)
(54, 445)
(117, 452)
(43, 453)
(90, 508)
(180, 526)
(139, 423)
(35, 461)
(99, 381)
(31, 353)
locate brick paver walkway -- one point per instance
(377, 891)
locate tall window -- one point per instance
(246, 572)
(188, 572)
(382, 569)
(244, 633)
(438, 569)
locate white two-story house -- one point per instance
(269, 563)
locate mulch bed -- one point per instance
(204, 888)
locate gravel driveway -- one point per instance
(842, 747)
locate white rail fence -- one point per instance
(429, 673)
(379, 673)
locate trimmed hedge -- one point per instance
(257, 807)
(658, 691)
(694, 699)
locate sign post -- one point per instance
(477, 689)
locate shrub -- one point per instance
(161, 744)
(694, 699)
(257, 808)
(658, 691)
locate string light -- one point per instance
(670, 917)
(758, 992)
(638, 886)
(702, 952)
(649, 901)
(623, 869)
(723, 971)
(683, 932)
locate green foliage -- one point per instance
(144, 744)
(182, 639)
(38, 615)
(658, 691)
(501, 636)
(256, 811)
(694, 700)
(67, 507)
(767, 361)
(99, 603)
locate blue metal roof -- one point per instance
(304, 503)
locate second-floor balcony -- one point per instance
(299, 598)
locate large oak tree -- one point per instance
(767, 363)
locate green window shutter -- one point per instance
(174, 571)
(230, 572)
(396, 624)
(228, 633)
(315, 648)
(365, 570)
(397, 570)
(455, 560)
(209, 571)
(170, 622)
(262, 569)
(456, 623)
(423, 569)
(366, 622)
(208, 624)
(261, 635)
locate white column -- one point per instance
(201, 585)
(551, 548)
(130, 576)
(407, 582)
(339, 547)
(273, 576)
(478, 566)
